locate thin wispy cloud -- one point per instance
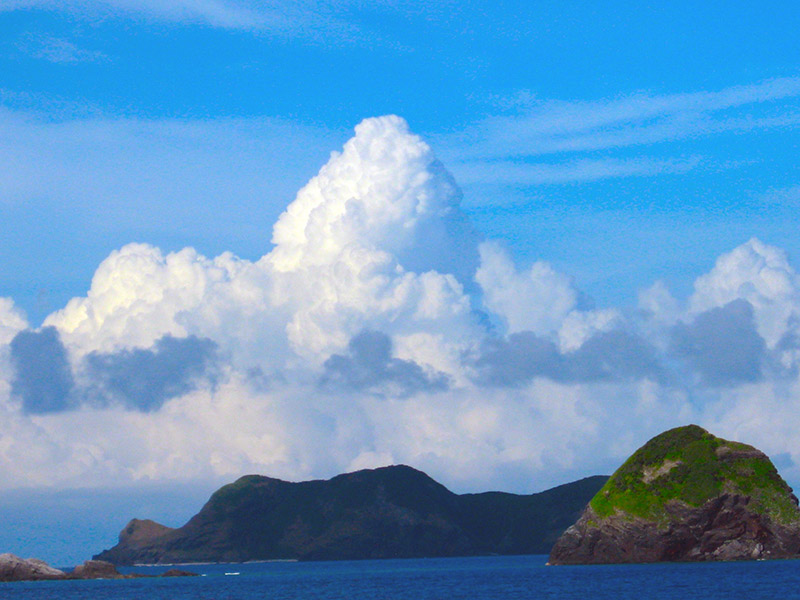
(496, 149)
(557, 126)
(58, 50)
(524, 173)
(310, 20)
(218, 13)
(786, 196)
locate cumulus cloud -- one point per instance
(386, 190)
(520, 358)
(137, 379)
(615, 355)
(535, 300)
(138, 295)
(379, 328)
(376, 240)
(760, 274)
(369, 365)
(145, 379)
(42, 378)
(539, 299)
(12, 321)
(722, 344)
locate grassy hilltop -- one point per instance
(687, 495)
(690, 465)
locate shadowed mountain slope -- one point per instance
(391, 512)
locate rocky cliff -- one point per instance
(14, 568)
(381, 513)
(686, 495)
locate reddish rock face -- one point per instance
(686, 495)
(724, 528)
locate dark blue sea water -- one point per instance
(481, 578)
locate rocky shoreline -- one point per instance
(14, 568)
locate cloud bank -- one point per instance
(380, 328)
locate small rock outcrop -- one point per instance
(14, 568)
(177, 573)
(101, 569)
(97, 569)
(686, 495)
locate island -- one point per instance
(389, 512)
(686, 495)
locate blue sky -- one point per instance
(672, 186)
(608, 250)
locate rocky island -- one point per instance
(390, 512)
(686, 495)
(14, 568)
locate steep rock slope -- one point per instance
(686, 495)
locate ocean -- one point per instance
(474, 578)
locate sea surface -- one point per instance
(474, 578)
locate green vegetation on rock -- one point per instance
(689, 465)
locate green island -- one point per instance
(686, 495)
(689, 464)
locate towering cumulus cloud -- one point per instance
(379, 328)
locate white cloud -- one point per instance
(535, 300)
(367, 244)
(370, 244)
(658, 303)
(760, 274)
(580, 325)
(139, 295)
(386, 191)
(12, 320)
(539, 299)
